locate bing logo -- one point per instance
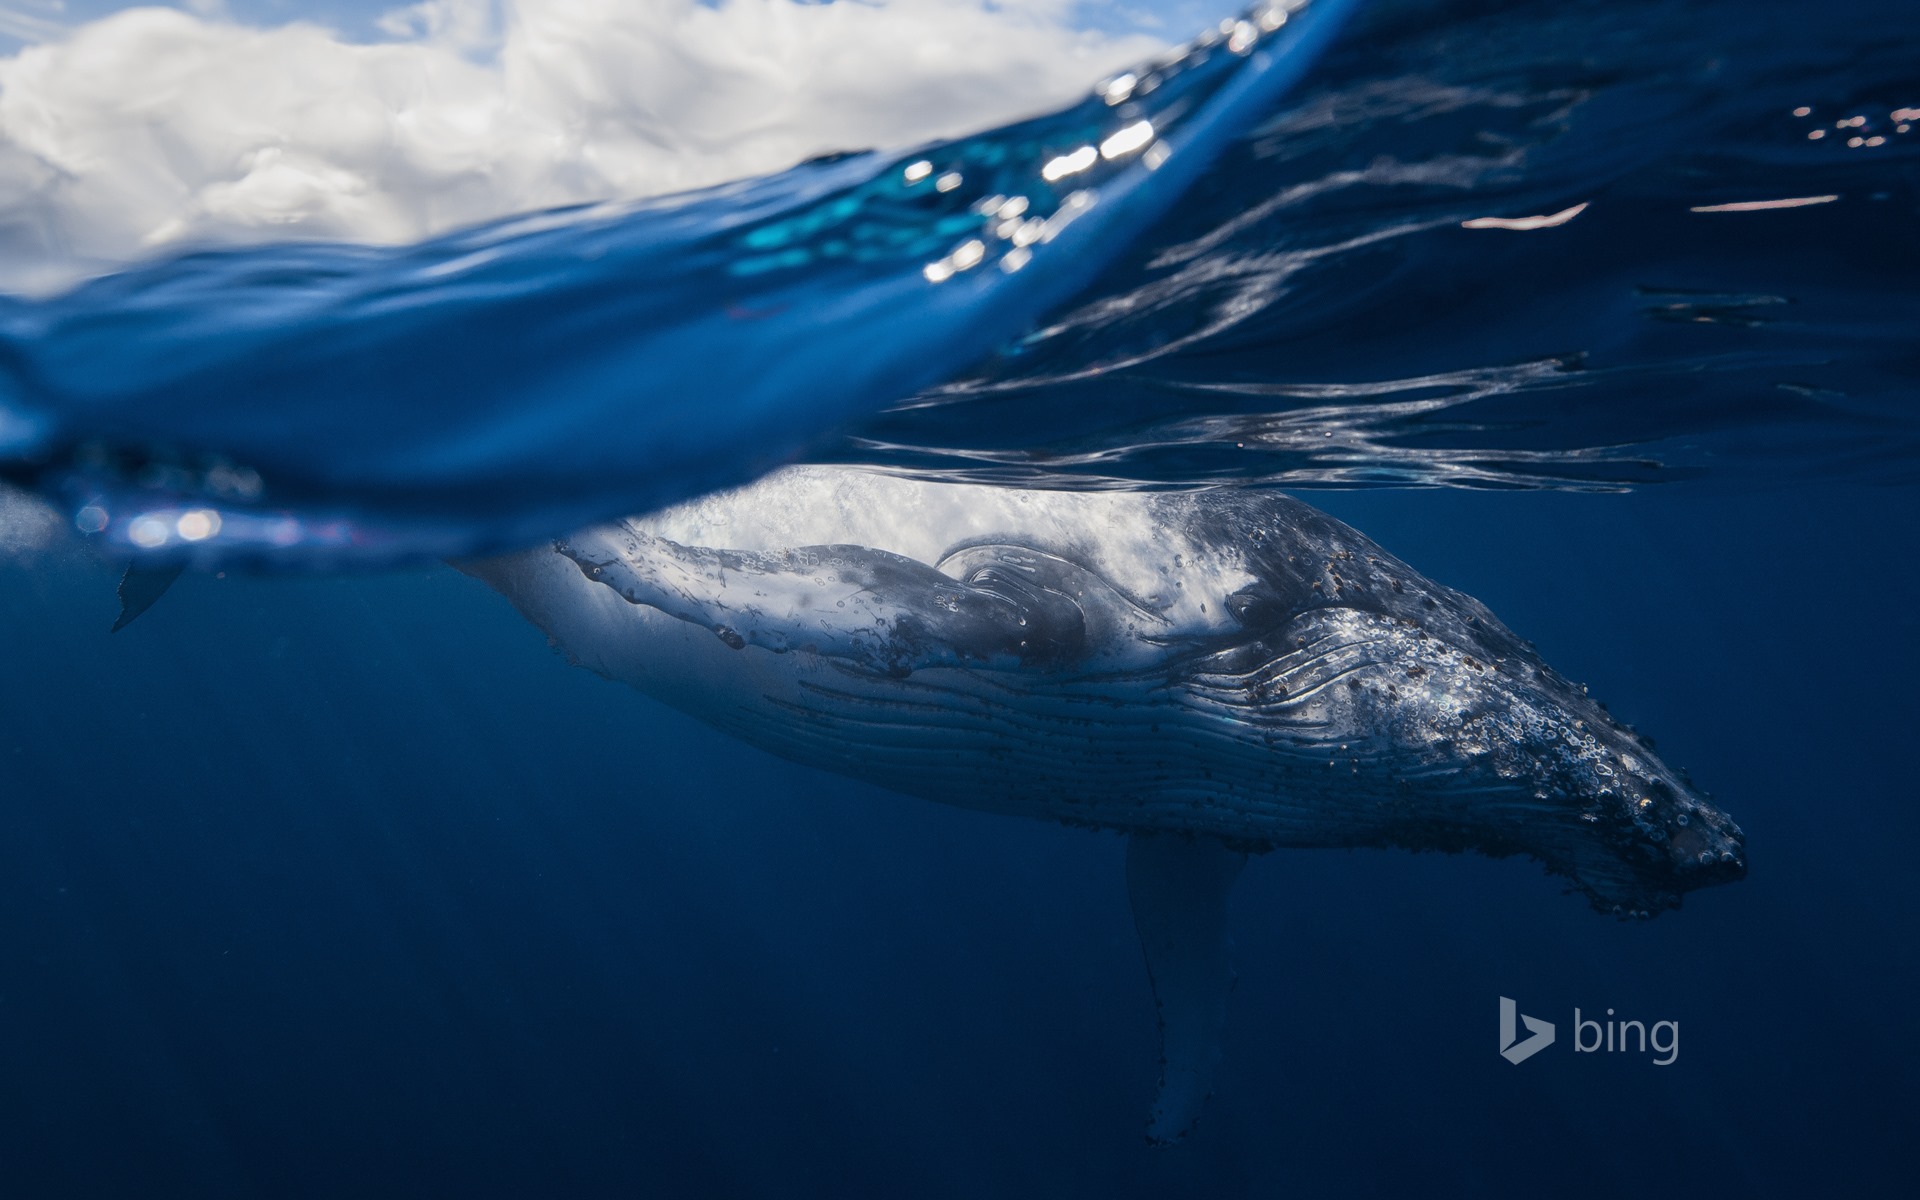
(1540, 1033)
(1589, 1036)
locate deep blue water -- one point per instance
(316, 887)
(326, 885)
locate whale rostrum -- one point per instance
(1211, 673)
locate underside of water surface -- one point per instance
(1508, 245)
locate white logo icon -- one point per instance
(1541, 1033)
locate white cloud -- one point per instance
(153, 129)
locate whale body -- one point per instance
(1211, 673)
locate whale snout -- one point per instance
(1717, 864)
(1700, 845)
(1655, 838)
(1705, 847)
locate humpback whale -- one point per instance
(1212, 674)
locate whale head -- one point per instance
(1444, 730)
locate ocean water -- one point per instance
(327, 876)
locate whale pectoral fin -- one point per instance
(1179, 888)
(141, 587)
(874, 609)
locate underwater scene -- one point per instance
(958, 598)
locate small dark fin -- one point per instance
(833, 156)
(140, 587)
(1179, 887)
